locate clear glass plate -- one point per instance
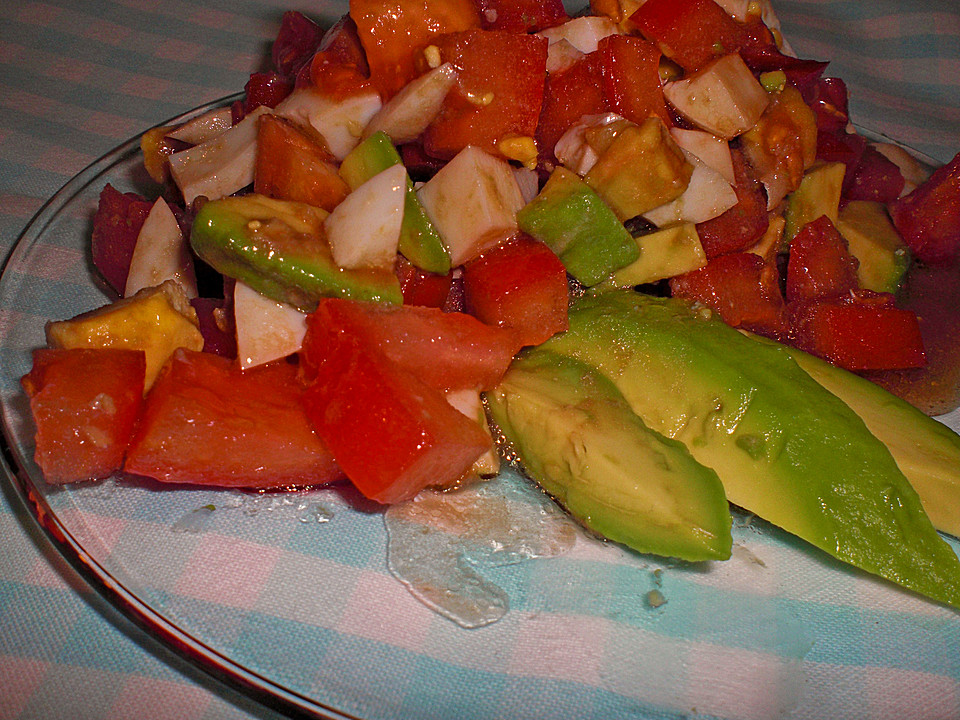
(290, 598)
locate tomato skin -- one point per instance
(631, 78)
(820, 263)
(929, 217)
(521, 285)
(742, 288)
(445, 350)
(499, 90)
(292, 165)
(860, 331)
(207, 422)
(743, 224)
(392, 434)
(85, 404)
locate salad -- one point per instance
(340, 268)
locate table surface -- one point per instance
(79, 78)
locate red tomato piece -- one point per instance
(520, 285)
(631, 78)
(297, 40)
(521, 16)
(336, 78)
(207, 422)
(444, 350)
(743, 288)
(85, 404)
(929, 217)
(293, 165)
(841, 146)
(876, 178)
(864, 331)
(499, 90)
(820, 263)
(393, 34)
(830, 104)
(116, 226)
(267, 89)
(341, 43)
(743, 224)
(567, 97)
(690, 32)
(217, 326)
(420, 287)
(392, 434)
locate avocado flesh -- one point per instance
(572, 220)
(784, 448)
(279, 249)
(420, 242)
(818, 194)
(875, 243)
(926, 451)
(579, 439)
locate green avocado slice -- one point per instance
(784, 447)
(579, 439)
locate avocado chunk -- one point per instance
(579, 439)
(420, 242)
(926, 450)
(572, 220)
(642, 168)
(875, 242)
(818, 194)
(784, 447)
(278, 248)
(663, 253)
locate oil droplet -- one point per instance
(440, 542)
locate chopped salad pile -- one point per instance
(337, 266)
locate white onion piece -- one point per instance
(341, 122)
(708, 148)
(408, 113)
(205, 127)
(267, 330)
(708, 195)
(160, 254)
(572, 149)
(584, 33)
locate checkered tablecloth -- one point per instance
(78, 78)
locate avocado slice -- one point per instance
(784, 447)
(420, 242)
(278, 248)
(926, 450)
(818, 194)
(572, 220)
(673, 250)
(579, 439)
(875, 242)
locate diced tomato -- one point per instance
(864, 331)
(217, 326)
(336, 78)
(929, 217)
(829, 104)
(292, 164)
(743, 224)
(116, 226)
(521, 285)
(266, 89)
(631, 78)
(420, 287)
(820, 263)
(499, 90)
(392, 434)
(841, 146)
(297, 40)
(743, 288)
(444, 350)
(207, 422)
(567, 97)
(521, 16)
(85, 404)
(876, 178)
(393, 34)
(690, 32)
(341, 43)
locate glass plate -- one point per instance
(289, 597)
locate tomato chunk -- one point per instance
(499, 91)
(293, 165)
(207, 422)
(929, 217)
(864, 331)
(445, 350)
(567, 97)
(520, 285)
(85, 404)
(875, 179)
(267, 89)
(420, 287)
(116, 226)
(743, 224)
(392, 434)
(742, 287)
(631, 78)
(820, 263)
(521, 16)
(296, 42)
